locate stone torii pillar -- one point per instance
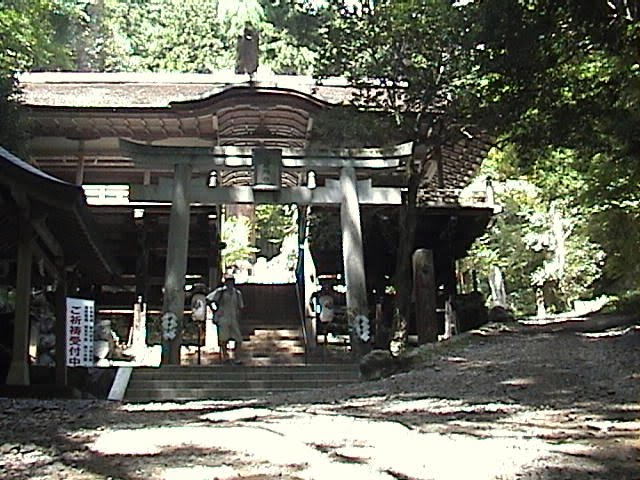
(176, 266)
(353, 254)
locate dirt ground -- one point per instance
(511, 401)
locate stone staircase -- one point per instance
(267, 346)
(273, 359)
(271, 326)
(218, 382)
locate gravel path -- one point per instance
(556, 401)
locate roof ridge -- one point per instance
(224, 77)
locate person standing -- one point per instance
(324, 307)
(227, 303)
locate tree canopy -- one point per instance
(566, 78)
(33, 36)
(196, 36)
(556, 83)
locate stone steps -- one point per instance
(173, 383)
(276, 344)
(249, 329)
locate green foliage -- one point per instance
(272, 224)
(562, 80)
(411, 58)
(13, 131)
(165, 35)
(236, 233)
(541, 239)
(33, 35)
(197, 36)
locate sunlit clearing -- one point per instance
(241, 414)
(324, 444)
(519, 382)
(384, 445)
(199, 473)
(618, 332)
(178, 407)
(447, 407)
(257, 442)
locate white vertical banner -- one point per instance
(80, 325)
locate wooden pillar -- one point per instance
(142, 260)
(80, 168)
(176, 266)
(352, 253)
(210, 329)
(61, 324)
(304, 294)
(424, 285)
(137, 341)
(138, 333)
(19, 369)
(213, 257)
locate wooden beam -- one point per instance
(49, 265)
(207, 158)
(47, 237)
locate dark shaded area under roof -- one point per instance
(448, 230)
(64, 209)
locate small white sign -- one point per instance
(199, 307)
(80, 325)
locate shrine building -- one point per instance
(161, 156)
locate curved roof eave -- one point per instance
(238, 92)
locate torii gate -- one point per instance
(267, 163)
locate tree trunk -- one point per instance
(403, 274)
